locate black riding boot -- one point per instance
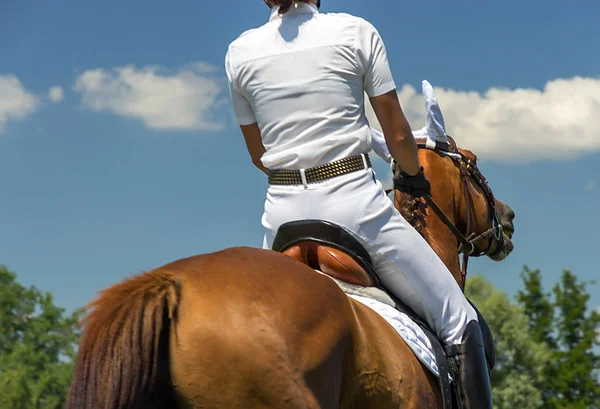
(474, 389)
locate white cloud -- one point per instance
(182, 100)
(591, 185)
(201, 67)
(15, 101)
(520, 125)
(56, 94)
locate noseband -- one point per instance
(467, 241)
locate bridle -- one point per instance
(468, 168)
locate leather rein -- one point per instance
(467, 241)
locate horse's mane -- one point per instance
(128, 326)
(412, 209)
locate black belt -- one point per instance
(321, 172)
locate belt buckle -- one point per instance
(303, 178)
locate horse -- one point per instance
(252, 328)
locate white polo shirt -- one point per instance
(302, 77)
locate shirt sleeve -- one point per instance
(373, 60)
(241, 106)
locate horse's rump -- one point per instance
(239, 328)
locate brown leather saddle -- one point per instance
(329, 248)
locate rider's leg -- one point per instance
(404, 261)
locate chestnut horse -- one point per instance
(250, 328)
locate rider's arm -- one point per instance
(381, 89)
(245, 116)
(254, 144)
(398, 135)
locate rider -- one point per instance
(297, 85)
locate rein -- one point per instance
(467, 240)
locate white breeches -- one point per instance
(404, 261)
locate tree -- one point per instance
(519, 371)
(538, 306)
(561, 320)
(37, 345)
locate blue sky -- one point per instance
(119, 169)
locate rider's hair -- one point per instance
(285, 5)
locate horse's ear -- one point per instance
(434, 122)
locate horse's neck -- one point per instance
(449, 197)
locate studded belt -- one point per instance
(321, 172)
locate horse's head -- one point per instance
(492, 220)
(462, 215)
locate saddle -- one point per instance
(329, 248)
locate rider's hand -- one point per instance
(416, 185)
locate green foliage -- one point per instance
(520, 358)
(561, 319)
(37, 344)
(538, 306)
(545, 343)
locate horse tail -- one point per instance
(123, 353)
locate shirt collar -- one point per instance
(297, 8)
